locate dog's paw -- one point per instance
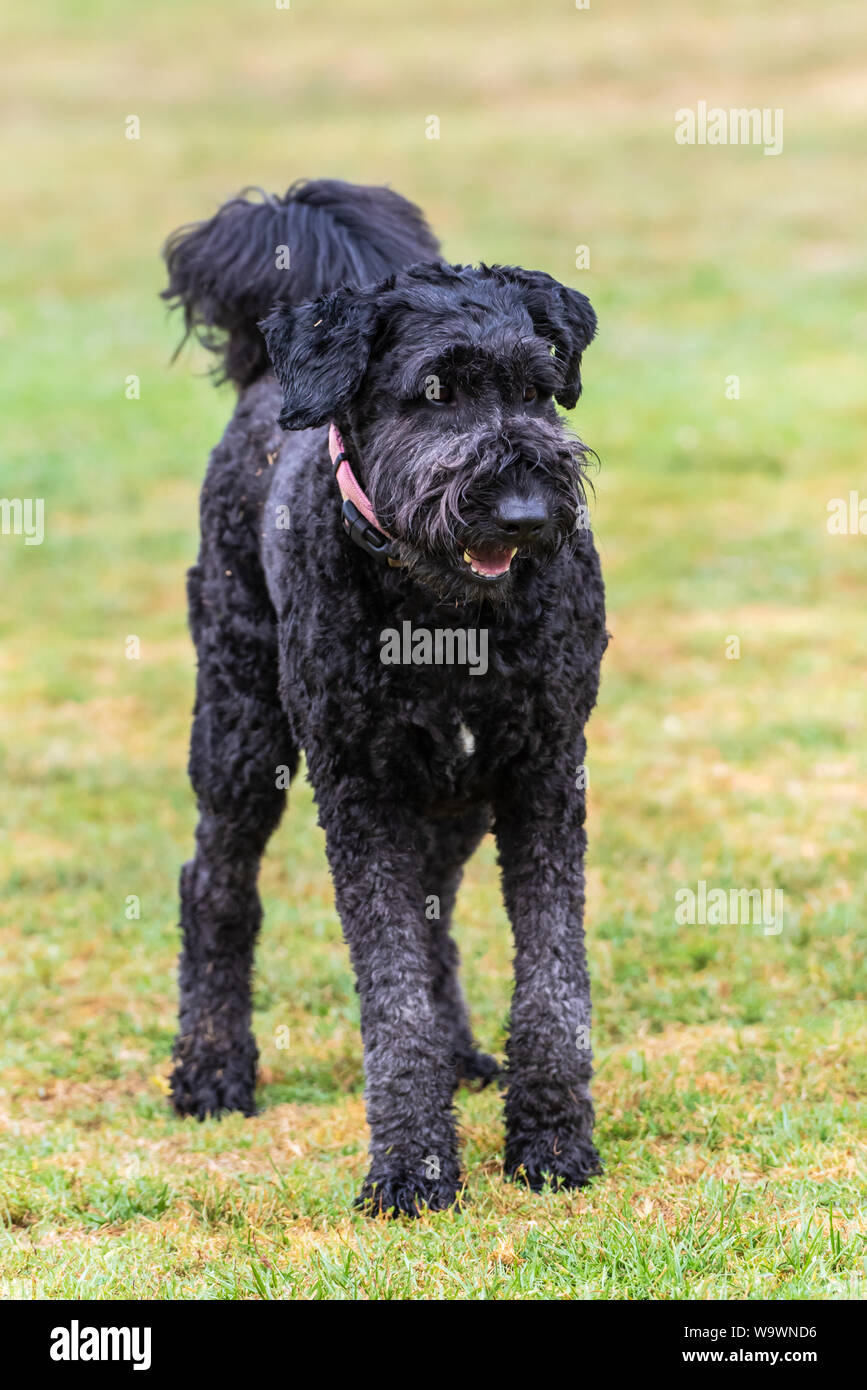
(405, 1191)
(561, 1164)
(477, 1069)
(204, 1084)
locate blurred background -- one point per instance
(725, 398)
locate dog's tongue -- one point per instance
(490, 561)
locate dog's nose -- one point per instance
(521, 518)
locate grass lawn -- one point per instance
(730, 1061)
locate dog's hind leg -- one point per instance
(240, 743)
(453, 841)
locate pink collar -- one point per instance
(359, 518)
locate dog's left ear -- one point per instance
(320, 353)
(564, 317)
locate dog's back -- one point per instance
(226, 273)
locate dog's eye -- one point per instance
(441, 394)
(530, 393)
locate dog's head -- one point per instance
(442, 382)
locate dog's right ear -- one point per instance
(320, 353)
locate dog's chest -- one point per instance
(453, 773)
(455, 757)
(466, 741)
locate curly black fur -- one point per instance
(410, 764)
(226, 274)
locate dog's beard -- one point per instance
(438, 500)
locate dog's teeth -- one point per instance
(513, 554)
(468, 557)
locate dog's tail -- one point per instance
(227, 273)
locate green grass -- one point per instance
(729, 1063)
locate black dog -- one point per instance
(422, 613)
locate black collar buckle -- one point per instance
(359, 530)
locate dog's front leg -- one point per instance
(408, 1060)
(549, 1112)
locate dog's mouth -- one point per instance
(490, 563)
